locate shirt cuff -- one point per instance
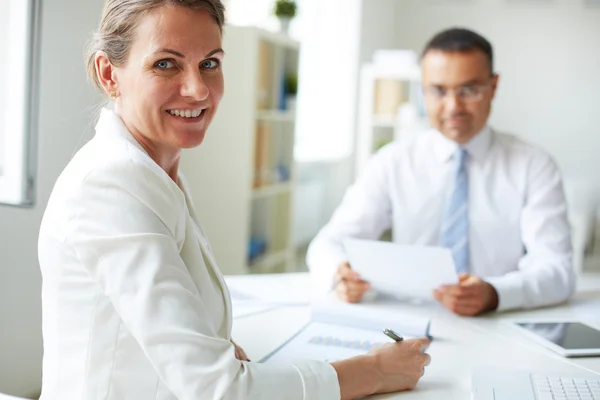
(319, 379)
(510, 291)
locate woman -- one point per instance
(134, 307)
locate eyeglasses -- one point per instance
(467, 93)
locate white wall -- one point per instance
(377, 27)
(4, 12)
(64, 119)
(548, 55)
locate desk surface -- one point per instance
(460, 344)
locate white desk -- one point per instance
(459, 345)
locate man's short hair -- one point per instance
(462, 40)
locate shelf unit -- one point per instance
(242, 177)
(276, 115)
(383, 91)
(271, 190)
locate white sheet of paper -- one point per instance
(328, 343)
(365, 316)
(246, 308)
(282, 289)
(399, 270)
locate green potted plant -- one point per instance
(285, 10)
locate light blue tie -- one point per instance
(455, 225)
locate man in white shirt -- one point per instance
(494, 200)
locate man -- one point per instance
(495, 201)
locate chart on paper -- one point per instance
(325, 342)
(333, 341)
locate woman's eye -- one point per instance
(164, 64)
(210, 64)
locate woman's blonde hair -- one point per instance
(119, 20)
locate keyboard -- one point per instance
(556, 388)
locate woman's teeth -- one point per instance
(187, 113)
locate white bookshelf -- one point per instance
(243, 187)
(271, 190)
(275, 115)
(376, 128)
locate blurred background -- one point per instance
(312, 90)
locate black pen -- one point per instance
(393, 335)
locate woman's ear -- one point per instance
(105, 71)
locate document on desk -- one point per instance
(328, 343)
(240, 309)
(282, 289)
(340, 330)
(399, 270)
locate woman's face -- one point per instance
(172, 83)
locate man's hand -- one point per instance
(470, 297)
(348, 285)
(240, 354)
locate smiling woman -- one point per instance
(18, 42)
(134, 304)
(169, 95)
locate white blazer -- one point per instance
(134, 306)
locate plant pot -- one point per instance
(284, 25)
(290, 103)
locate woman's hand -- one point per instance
(400, 365)
(391, 367)
(240, 354)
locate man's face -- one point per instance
(459, 90)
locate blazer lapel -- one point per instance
(208, 255)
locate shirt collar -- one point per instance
(477, 147)
(110, 123)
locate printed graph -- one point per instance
(332, 341)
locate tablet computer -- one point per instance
(568, 338)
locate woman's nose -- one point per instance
(195, 87)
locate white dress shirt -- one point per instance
(519, 235)
(134, 306)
